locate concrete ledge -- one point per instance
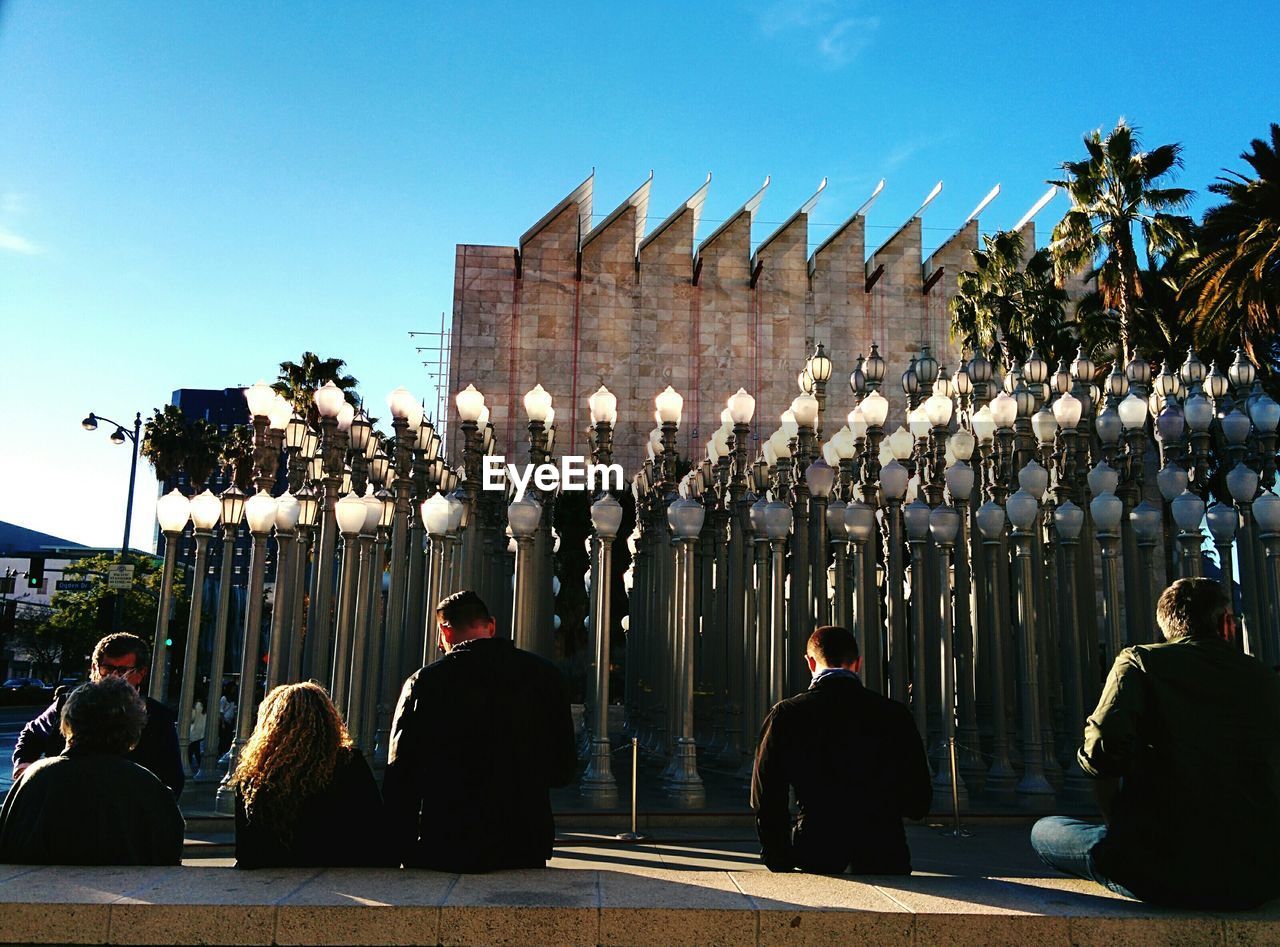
(624, 905)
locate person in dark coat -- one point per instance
(305, 796)
(857, 765)
(478, 740)
(90, 805)
(125, 656)
(1184, 752)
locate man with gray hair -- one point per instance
(1184, 748)
(90, 805)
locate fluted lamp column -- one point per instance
(1266, 512)
(1033, 788)
(260, 511)
(1223, 521)
(1106, 510)
(598, 784)
(524, 517)
(232, 503)
(893, 487)
(944, 525)
(173, 510)
(777, 523)
(287, 512)
(205, 510)
(684, 785)
(1001, 778)
(357, 696)
(350, 514)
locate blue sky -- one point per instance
(190, 193)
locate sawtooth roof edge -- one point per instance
(694, 203)
(575, 196)
(639, 199)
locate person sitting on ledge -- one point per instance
(1184, 748)
(305, 796)
(90, 805)
(124, 656)
(479, 738)
(857, 765)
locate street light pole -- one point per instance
(90, 423)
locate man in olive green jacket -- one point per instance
(1184, 746)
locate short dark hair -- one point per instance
(461, 610)
(104, 717)
(1192, 608)
(833, 646)
(120, 644)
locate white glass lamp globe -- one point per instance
(329, 400)
(260, 511)
(537, 404)
(670, 404)
(260, 397)
(742, 407)
(172, 511)
(206, 509)
(603, 405)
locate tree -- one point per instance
(1234, 286)
(298, 382)
(237, 453)
(1159, 325)
(78, 619)
(1004, 302)
(173, 444)
(1114, 191)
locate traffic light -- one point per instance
(168, 642)
(35, 572)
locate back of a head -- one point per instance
(464, 612)
(832, 646)
(1192, 608)
(106, 716)
(294, 747)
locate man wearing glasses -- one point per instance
(125, 656)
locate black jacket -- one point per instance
(340, 825)
(157, 749)
(90, 809)
(858, 768)
(479, 738)
(1193, 728)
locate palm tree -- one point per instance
(1006, 302)
(1235, 283)
(1113, 191)
(175, 445)
(164, 441)
(298, 382)
(1159, 326)
(237, 454)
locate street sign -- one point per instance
(73, 585)
(120, 577)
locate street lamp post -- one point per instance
(173, 511)
(232, 503)
(1001, 778)
(598, 784)
(350, 512)
(685, 784)
(119, 436)
(260, 511)
(205, 510)
(288, 511)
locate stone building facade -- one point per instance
(574, 306)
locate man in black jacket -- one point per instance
(478, 740)
(119, 655)
(90, 805)
(857, 765)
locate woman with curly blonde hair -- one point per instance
(304, 794)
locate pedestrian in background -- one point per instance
(127, 657)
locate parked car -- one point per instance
(25, 690)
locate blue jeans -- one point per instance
(1068, 845)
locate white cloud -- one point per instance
(14, 243)
(844, 41)
(837, 39)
